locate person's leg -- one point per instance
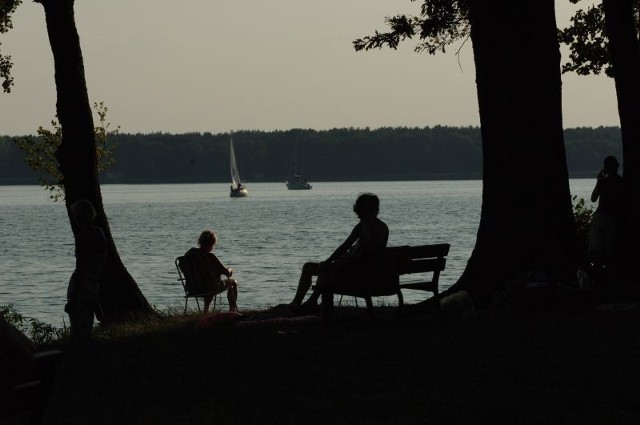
(597, 238)
(232, 294)
(207, 302)
(321, 282)
(82, 297)
(612, 251)
(80, 318)
(308, 271)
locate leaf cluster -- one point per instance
(582, 214)
(587, 42)
(7, 8)
(40, 333)
(40, 156)
(439, 24)
(40, 151)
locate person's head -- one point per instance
(367, 205)
(207, 240)
(611, 164)
(82, 212)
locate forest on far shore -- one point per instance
(346, 154)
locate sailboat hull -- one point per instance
(297, 182)
(294, 180)
(238, 193)
(298, 186)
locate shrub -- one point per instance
(40, 333)
(582, 214)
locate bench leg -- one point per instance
(326, 307)
(400, 303)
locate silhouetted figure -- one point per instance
(606, 225)
(91, 257)
(16, 358)
(358, 254)
(26, 376)
(206, 242)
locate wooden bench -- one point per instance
(409, 267)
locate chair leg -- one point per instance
(369, 306)
(186, 300)
(400, 303)
(198, 304)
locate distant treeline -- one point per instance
(330, 155)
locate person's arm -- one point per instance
(219, 267)
(596, 190)
(344, 247)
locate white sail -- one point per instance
(238, 190)
(235, 175)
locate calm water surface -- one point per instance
(265, 237)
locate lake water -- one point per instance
(265, 237)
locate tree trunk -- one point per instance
(120, 296)
(526, 221)
(624, 49)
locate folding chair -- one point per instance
(197, 280)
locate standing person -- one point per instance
(606, 224)
(359, 254)
(91, 256)
(215, 270)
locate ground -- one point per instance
(499, 368)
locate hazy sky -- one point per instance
(220, 65)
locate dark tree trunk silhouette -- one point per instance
(120, 296)
(526, 222)
(624, 49)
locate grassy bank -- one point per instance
(538, 369)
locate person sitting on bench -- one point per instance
(358, 255)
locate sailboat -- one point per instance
(238, 190)
(296, 181)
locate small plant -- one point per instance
(582, 214)
(40, 151)
(40, 333)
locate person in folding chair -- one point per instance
(206, 242)
(359, 255)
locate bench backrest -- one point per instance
(421, 258)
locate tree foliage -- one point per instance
(588, 42)
(40, 333)
(40, 151)
(439, 24)
(582, 214)
(7, 8)
(398, 153)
